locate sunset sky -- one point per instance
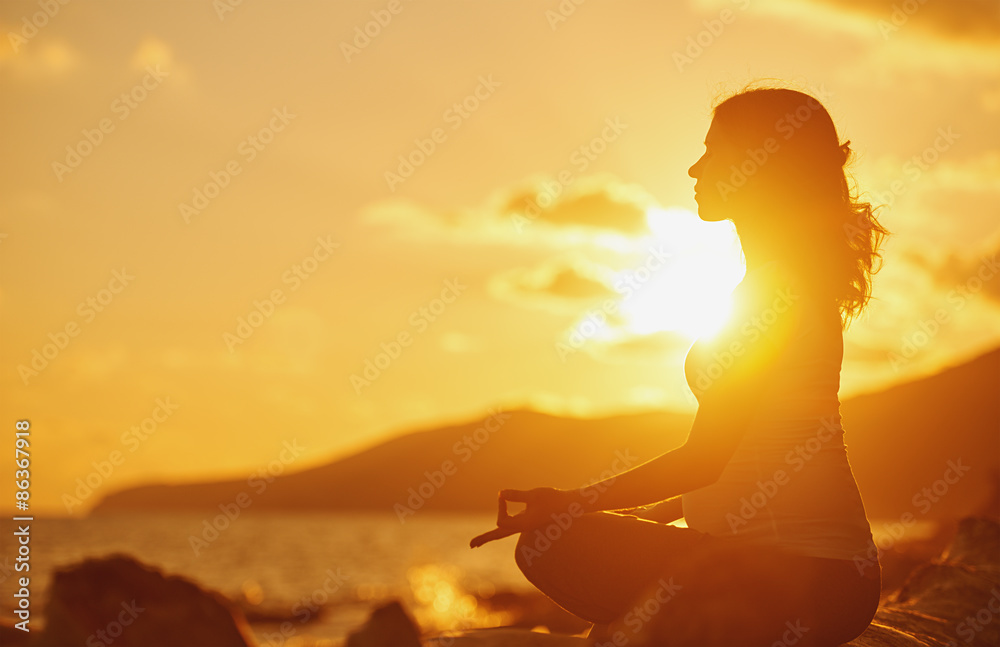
(215, 215)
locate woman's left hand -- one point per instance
(542, 506)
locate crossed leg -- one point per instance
(685, 587)
(600, 564)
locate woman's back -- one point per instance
(789, 482)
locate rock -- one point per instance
(953, 600)
(134, 605)
(10, 636)
(388, 626)
(505, 637)
(976, 544)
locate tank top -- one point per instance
(789, 483)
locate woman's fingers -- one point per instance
(496, 533)
(515, 523)
(520, 496)
(533, 514)
(501, 509)
(504, 520)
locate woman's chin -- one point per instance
(710, 214)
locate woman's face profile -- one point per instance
(712, 190)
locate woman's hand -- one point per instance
(542, 505)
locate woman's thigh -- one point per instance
(596, 564)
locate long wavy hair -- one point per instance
(805, 186)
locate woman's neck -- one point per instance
(761, 248)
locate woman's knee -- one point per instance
(564, 541)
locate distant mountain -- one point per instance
(901, 444)
(902, 441)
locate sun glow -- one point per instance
(689, 292)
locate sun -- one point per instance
(689, 292)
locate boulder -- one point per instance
(388, 626)
(120, 600)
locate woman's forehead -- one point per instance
(714, 134)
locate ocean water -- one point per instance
(328, 569)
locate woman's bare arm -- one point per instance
(699, 462)
(665, 511)
(726, 409)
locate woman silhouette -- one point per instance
(777, 548)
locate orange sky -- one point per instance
(172, 167)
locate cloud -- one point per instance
(935, 204)
(602, 207)
(654, 346)
(971, 273)
(958, 20)
(560, 285)
(538, 210)
(960, 38)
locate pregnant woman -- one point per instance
(777, 548)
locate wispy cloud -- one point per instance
(530, 213)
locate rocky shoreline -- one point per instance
(940, 592)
